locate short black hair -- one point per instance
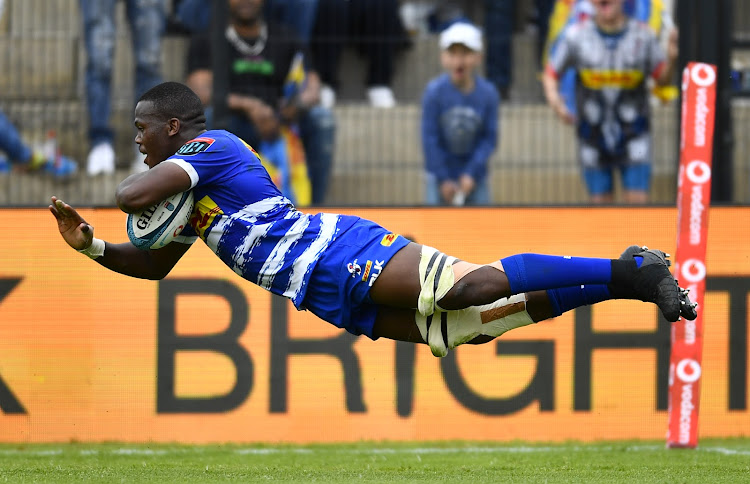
(175, 100)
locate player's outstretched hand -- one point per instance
(73, 228)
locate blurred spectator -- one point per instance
(147, 19)
(326, 27)
(459, 122)
(192, 16)
(568, 12)
(299, 15)
(19, 153)
(499, 18)
(374, 28)
(274, 97)
(431, 16)
(613, 55)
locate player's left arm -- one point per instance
(143, 190)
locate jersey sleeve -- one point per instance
(207, 159)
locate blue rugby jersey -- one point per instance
(241, 215)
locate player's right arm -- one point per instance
(123, 258)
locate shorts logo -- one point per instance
(377, 270)
(354, 269)
(366, 273)
(195, 146)
(388, 240)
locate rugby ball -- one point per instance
(159, 225)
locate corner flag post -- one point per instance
(693, 201)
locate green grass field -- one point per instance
(714, 461)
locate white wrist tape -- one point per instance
(96, 249)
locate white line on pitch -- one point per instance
(140, 451)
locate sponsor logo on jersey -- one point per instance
(195, 146)
(204, 213)
(354, 269)
(366, 272)
(604, 78)
(388, 239)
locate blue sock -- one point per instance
(566, 298)
(537, 272)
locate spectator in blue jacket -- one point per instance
(459, 122)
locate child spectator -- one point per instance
(459, 122)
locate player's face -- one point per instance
(460, 62)
(152, 134)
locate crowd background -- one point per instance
(378, 157)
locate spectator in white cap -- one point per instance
(459, 122)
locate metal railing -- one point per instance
(378, 158)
